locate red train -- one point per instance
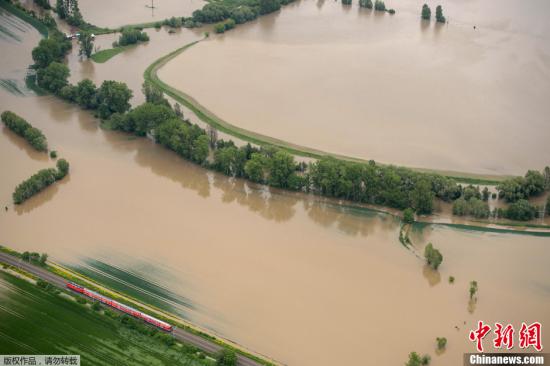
(124, 308)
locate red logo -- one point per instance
(529, 335)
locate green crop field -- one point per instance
(36, 321)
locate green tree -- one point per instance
(433, 256)
(145, 118)
(426, 12)
(200, 149)
(226, 357)
(43, 259)
(416, 360)
(408, 215)
(441, 343)
(153, 94)
(521, 210)
(439, 14)
(86, 94)
(281, 167)
(255, 167)
(346, 2)
(473, 289)
(62, 168)
(485, 194)
(86, 43)
(269, 6)
(379, 5)
(422, 197)
(53, 77)
(113, 97)
(366, 4)
(548, 205)
(60, 9)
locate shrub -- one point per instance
(441, 343)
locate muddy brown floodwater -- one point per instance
(287, 275)
(107, 13)
(389, 88)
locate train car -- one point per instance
(121, 307)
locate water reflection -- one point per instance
(24, 145)
(40, 199)
(431, 275)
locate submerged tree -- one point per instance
(426, 12)
(433, 256)
(441, 342)
(416, 360)
(86, 43)
(439, 14)
(473, 289)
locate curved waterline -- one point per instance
(207, 116)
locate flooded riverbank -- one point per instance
(283, 274)
(359, 83)
(112, 14)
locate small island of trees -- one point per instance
(33, 135)
(38, 181)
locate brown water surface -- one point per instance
(390, 88)
(287, 275)
(107, 13)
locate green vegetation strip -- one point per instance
(210, 118)
(40, 27)
(105, 55)
(42, 319)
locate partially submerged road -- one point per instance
(180, 334)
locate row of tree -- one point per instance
(21, 127)
(69, 10)
(426, 13)
(370, 182)
(38, 181)
(532, 184)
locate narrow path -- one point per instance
(180, 334)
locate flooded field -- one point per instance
(390, 88)
(287, 275)
(105, 13)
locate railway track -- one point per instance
(180, 334)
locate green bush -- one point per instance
(132, 36)
(426, 13)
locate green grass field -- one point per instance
(36, 321)
(105, 55)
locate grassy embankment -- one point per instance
(210, 118)
(37, 320)
(90, 283)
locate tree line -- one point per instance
(21, 127)
(40, 180)
(371, 183)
